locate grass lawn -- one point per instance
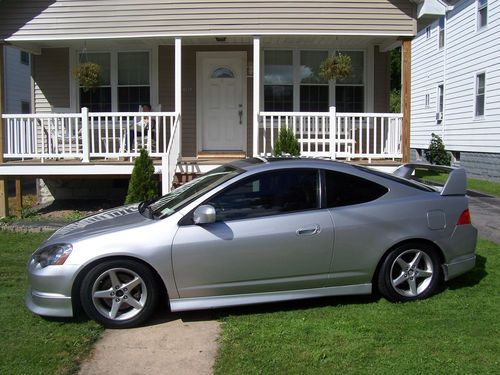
(454, 332)
(487, 187)
(30, 344)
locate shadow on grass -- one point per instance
(470, 278)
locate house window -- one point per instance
(278, 81)
(25, 107)
(24, 57)
(441, 32)
(313, 88)
(480, 89)
(482, 13)
(428, 32)
(350, 92)
(440, 103)
(427, 100)
(128, 91)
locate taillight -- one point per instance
(464, 218)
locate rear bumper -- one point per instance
(458, 267)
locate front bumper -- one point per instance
(49, 304)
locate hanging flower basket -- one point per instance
(88, 75)
(336, 67)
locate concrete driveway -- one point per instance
(485, 212)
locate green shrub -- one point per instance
(286, 143)
(142, 185)
(436, 154)
(395, 101)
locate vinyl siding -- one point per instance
(51, 76)
(77, 19)
(468, 51)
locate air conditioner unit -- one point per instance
(439, 116)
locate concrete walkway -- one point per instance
(181, 346)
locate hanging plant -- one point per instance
(88, 75)
(336, 67)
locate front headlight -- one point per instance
(52, 255)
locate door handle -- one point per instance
(309, 231)
(240, 113)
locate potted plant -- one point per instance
(336, 67)
(88, 75)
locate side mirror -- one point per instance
(204, 214)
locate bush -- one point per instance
(395, 101)
(142, 185)
(286, 144)
(436, 154)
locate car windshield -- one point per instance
(175, 200)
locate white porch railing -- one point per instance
(355, 135)
(87, 135)
(173, 154)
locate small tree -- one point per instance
(436, 154)
(286, 143)
(142, 185)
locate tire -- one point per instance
(119, 293)
(409, 272)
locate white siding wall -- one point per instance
(17, 81)
(467, 52)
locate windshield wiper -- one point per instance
(145, 209)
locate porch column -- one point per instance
(256, 94)
(178, 87)
(406, 98)
(4, 204)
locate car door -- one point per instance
(269, 235)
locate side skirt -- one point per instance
(184, 304)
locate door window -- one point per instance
(267, 194)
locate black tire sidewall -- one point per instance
(144, 273)
(384, 276)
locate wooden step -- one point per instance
(221, 155)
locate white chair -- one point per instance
(64, 133)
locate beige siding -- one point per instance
(51, 76)
(76, 19)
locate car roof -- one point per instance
(287, 162)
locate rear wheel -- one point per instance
(119, 293)
(410, 272)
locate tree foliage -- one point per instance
(143, 185)
(336, 67)
(286, 144)
(436, 154)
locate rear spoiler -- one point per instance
(456, 184)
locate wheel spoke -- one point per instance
(114, 309)
(104, 293)
(132, 284)
(423, 273)
(114, 279)
(416, 259)
(400, 279)
(402, 263)
(413, 286)
(134, 303)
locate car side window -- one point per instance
(343, 189)
(268, 193)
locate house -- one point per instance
(17, 80)
(455, 85)
(222, 80)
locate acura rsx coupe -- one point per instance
(258, 230)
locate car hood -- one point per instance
(109, 221)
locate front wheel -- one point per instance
(119, 293)
(410, 272)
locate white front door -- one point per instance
(221, 87)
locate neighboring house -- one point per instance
(456, 85)
(222, 78)
(17, 81)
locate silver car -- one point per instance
(258, 230)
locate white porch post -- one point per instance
(85, 135)
(333, 133)
(178, 87)
(256, 94)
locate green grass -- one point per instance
(30, 344)
(487, 187)
(454, 332)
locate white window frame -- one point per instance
(476, 94)
(331, 84)
(427, 103)
(428, 32)
(480, 7)
(440, 102)
(24, 58)
(153, 74)
(441, 31)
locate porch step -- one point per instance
(221, 155)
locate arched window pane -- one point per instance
(222, 73)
